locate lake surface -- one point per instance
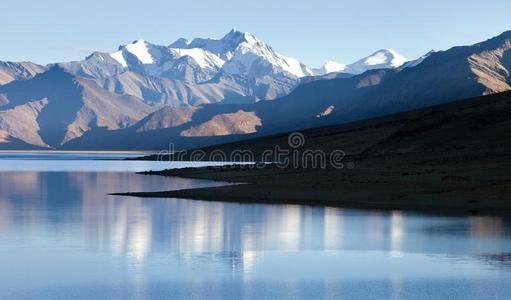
(63, 237)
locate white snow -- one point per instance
(204, 58)
(242, 53)
(332, 66)
(119, 57)
(250, 38)
(329, 67)
(253, 50)
(141, 50)
(382, 59)
(240, 50)
(293, 66)
(385, 56)
(376, 59)
(240, 62)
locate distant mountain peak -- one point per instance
(11, 71)
(385, 56)
(140, 41)
(381, 59)
(239, 52)
(330, 67)
(180, 43)
(236, 53)
(223, 47)
(236, 37)
(243, 53)
(233, 34)
(139, 52)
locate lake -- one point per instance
(63, 237)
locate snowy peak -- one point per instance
(155, 60)
(221, 47)
(249, 55)
(139, 52)
(381, 59)
(235, 38)
(180, 43)
(244, 54)
(385, 57)
(236, 53)
(329, 67)
(203, 58)
(119, 57)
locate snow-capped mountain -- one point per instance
(233, 69)
(252, 57)
(329, 67)
(236, 68)
(113, 91)
(381, 59)
(457, 73)
(237, 53)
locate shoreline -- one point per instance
(450, 157)
(429, 192)
(213, 194)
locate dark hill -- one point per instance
(450, 157)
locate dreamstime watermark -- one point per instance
(293, 155)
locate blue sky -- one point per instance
(312, 31)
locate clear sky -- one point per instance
(313, 31)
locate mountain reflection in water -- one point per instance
(152, 246)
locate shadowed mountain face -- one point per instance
(60, 106)
(37, 113)
(475, 128)
(73, 119)
(449, 157)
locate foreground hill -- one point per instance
(451, 157)
(441, 77)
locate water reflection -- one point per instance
(136, 227)
(149, 241)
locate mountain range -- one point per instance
(203, 91)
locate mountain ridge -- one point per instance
(109, 106)
(457, 73)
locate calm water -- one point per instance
(62, 237)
